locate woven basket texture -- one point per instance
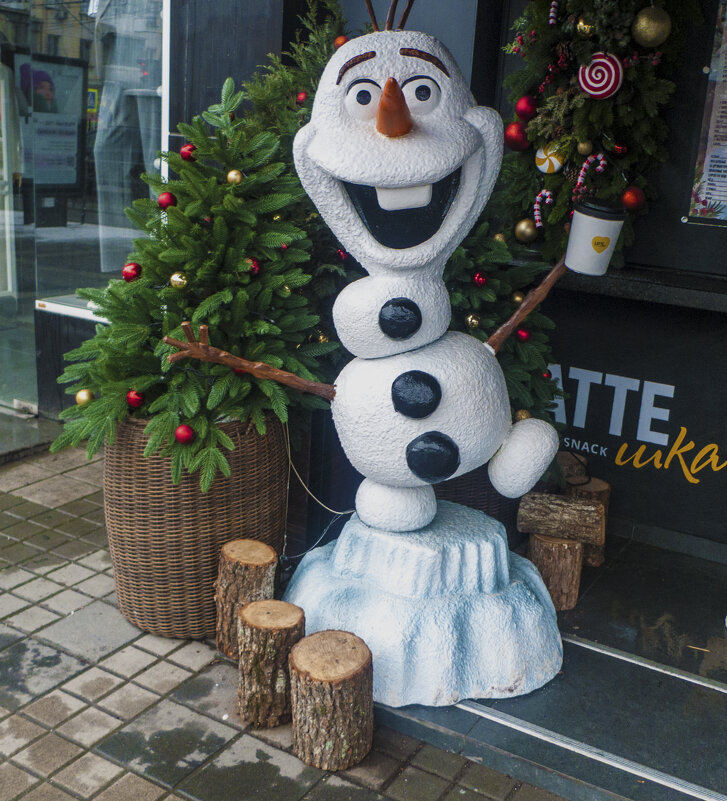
(473, 489)
(165, 540)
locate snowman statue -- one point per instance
(400, 161)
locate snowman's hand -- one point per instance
(527, 450)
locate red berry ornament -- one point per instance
(134, 399)
(522, 335)
(340, 41)
(283, 246)
(254, 266)
(516, 137)
(165, 200)
(342, 255)
(633, 198)
(184, 434)
(526, 108)
(547, 375)
(187, 152)
(131, 271)
(620, 150)
(301, 97)
(479, 279)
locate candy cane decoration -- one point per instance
(553, 12)
(544, 195)
(580, 187)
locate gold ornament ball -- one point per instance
(234, 177)
(277, 217)
(522, 414)
(322, 337)
(84, 396)
(525, 231)
(585, 148)
(178, 280)
(472, 320)
(499, 238)
(518, 297)
(585, 29)
(651, 27)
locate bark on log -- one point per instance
(331, 676)
(572, 464)
(246, 574)
(596, 490)
(266, 631)
(559, 562)
(558, 516)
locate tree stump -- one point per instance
(331, 676)
(595, 490)
(559, 562)
(558, 516)
(573, 465)
(266, 632)
(246, 574)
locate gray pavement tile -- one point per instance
(529, 793)
(97, 586)
(167, 742)
(279, 737)
(89, 473)
(88, 775)
(98, 560)
(18, 553)
(194, 656)
(78, 508)
(7, 501)
(18, 474)
(48, 539)
(38, 589)
(395, 744)
(67, 601)
(264, 772)
(48, 754)
(26, 509)
(10, 604)
(214, 693)
(459, 793)
(70, 574)
(128, 701)
(13, 576)
(44, 563)
(77, 527)
(490, 783)
(162, 677)
(54, 491)
(31, 619)
(73, 549)
(131, 787)
(334, 788)
(442, 763)
(375, 770)
(8, 636)
(51, 518)
(88, 727)
(98, 515)
(46, 792)
(99, 537)
(158, 645)
(13, 781)
(97, 498)
(416, 785)
(53, 708)
(92, 632)
(128, 661)
(92, 684)
(61, 461)
(22, 530)
(111, 599)
(16, 733)
(29, 669)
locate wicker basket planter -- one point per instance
(165, 540)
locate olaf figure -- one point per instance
(400, 161)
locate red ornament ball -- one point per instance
(239, 370)
(165, 200)
(301, 97)
(134, 399)
(620, 150)
(131, 271)
(342, 255)
(633, 198)
(184, 434)
(515, 136)
(254, 266)
(547, 375)
(522, 335)
(340, 41)
(479, 279)
(526, 108)
(283, 246)
(187, 152)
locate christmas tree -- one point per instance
(219, 251)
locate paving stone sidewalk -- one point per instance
(93, 708)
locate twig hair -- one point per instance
(389, 24)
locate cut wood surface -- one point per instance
(596, 490)
(559, 562)
(266, 632)
(331, 674)
(559, 516)
(572, 464)
(246, 574)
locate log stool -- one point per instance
(246, 573)
(595, 489)
(266, 632)
(559, 562)
(331, 676)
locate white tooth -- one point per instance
(408, 197)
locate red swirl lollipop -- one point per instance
(602, 77)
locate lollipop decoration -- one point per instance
(602, 77)
(548, 160)
(544, 195)
(596, 158)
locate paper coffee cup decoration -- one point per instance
(595, 229)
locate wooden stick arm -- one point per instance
(202, 350)
(534, 298)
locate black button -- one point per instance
(399, 318)
(432, 457)
(416, 394)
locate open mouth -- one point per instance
(404, 218)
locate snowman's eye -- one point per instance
(362, 99)
(422, 94)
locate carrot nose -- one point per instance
(393, 117)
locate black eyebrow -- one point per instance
(352, 62)
(414, 53)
